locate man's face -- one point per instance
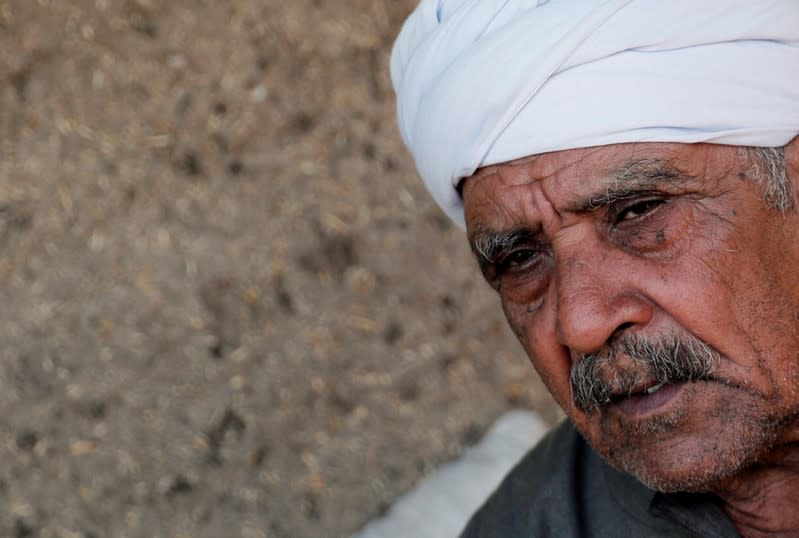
(665, 244)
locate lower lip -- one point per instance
(647, 403)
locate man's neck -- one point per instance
(762, 501)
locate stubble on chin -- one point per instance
(664, 458)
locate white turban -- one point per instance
(482, 82)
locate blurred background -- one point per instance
(229, 307)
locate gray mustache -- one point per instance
(596, 378)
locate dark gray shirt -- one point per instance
(563, 488)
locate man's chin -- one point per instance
(699, 478)
(667, 455)
(702, 437)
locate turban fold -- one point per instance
(482, 82)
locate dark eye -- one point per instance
(518, 259)
(637, 209)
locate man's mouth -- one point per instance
(642, 388)
(646, 399)
(634, 368)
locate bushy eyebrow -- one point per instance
(487, 245)
(631, 178)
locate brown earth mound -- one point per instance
(229, 306)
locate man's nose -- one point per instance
(597, 299)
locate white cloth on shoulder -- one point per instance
(482, 82)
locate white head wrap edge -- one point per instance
(481, 82)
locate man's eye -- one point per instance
(637, 209)
(518, 259)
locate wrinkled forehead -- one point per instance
(571, 169)
(556, 165)
(594, 160)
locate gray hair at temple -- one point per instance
(768, 169)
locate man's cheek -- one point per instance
(519, 320)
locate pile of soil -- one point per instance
(229, 306)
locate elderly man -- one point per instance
(627, 171)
